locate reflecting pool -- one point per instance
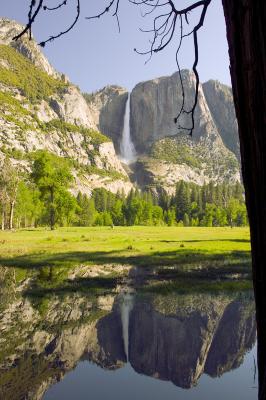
(127, 344)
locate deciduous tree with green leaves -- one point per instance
(53, 177)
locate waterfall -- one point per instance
(126, 306)
(127, 149)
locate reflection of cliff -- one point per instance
(235, 335)
(208, 334)
(40, 343)
(110, 342)
(175, 337)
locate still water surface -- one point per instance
(89, 380)
(128, 346)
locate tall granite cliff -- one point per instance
(221, 105)
(168, 153)
(155, 104)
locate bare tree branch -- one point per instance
(64, 3)
(31, 18)
(51, 38)
(112, 3)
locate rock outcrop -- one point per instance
(52, 114)
(155, 104)
(108, 107)
(167, 154)
(210, 155)
(221, 105)
(28, 48)
(70, 106)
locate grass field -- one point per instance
(135, 244)
(141, 246)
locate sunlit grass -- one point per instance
(168, 258)
(146, 244)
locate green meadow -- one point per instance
(163, 248)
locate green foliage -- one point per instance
(169, 217)
(29, 208)
(186, 220)
(182, 199)
(104, 219)
(50, 171)
(44, 199)
(86, 211)
(65, 207)
(90, 136)
(102, 199)
(95, 137)
(12, 110)
(169, 150)
(52, 176)
(12, 153)
(117, 212)
(93, 170)
(7, 101)
(36, 88)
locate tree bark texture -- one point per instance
(11, 214)
(3, 220)
(52, 210)
(246, 24)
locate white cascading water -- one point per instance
(127, 148)
(126, 306)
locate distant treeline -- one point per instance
(42, 198)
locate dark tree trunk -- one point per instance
(3, 220)
(245, 22)
(52, 210)
(11, 214)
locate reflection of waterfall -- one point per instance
(127, 149)
(126, 306)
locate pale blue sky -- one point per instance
(94, 54)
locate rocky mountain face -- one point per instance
(49, 112)
(166, 153)
(8, 30)
(109, 106)
(220, 102)
(41, 109)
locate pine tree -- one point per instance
(182, 200)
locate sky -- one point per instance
(94, 54)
